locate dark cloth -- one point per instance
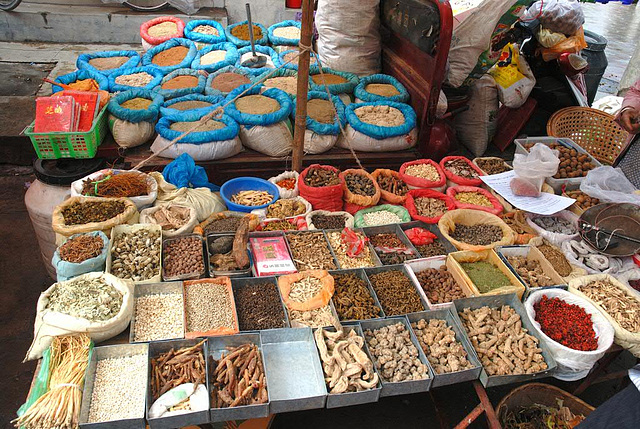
(622, 411)
(629, 160)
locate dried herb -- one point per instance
(91, 299)
(80, 213)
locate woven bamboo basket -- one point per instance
(540, 393)
(593, 130)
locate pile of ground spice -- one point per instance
(257, 104)
(182, 81)
(170, 57)
(327, 79)
(190, 104)
(288, 84)
(207, 126)
(213, 57)
(290, 55)
(320, 110)
(163, 29)
(206, 29)
(137, 103)
(384, 116)
(227, 82)
(242, 32)
(108, 63)
(382, 89)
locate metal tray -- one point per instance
(374, 255)
(418, 265)
(218, 345)
(336, 400)
(237, 283)
(405, 270)
(432, 228)
(120, 229)
(294, 324)
(447, 314)
(186, 276)
(506, 251)
(556, 184)
(179, 420)
(236, 273)
(106, 352)
(315, 231)
(394, 229)
(363, 275)
(294, 371)
(153, 289)
(401, 387)
(511, 300)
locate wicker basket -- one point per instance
(540, 393)
(593, 130)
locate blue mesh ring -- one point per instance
(267, 119)
(361, 93)
(239, 42)
(379, 132)
(276, 40)
(199, 137)
(230, 58)
(201, 37)
(147, 59)
(167, 110)
(82, 63)
(179, 92)
(318, 127)
(149, 114)
(209, 90)
(103, 82)
(266, 50)
(116, 87)
(338, 88)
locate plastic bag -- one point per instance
(336, 88)
(609, 184)
(495, 208)
(573, 45)
(279, 40)
(147, 59)
(419, 183)
(210, 90)
(161, 215)
(202, 37)
(448, 221)
(319, 300)
(562, 16)
(387, 197)
(348, 223)
(156, 74)
(179, 92)
(401, 212)
(261, 51)
(426, 193)
(184, 173)
(453, 180)
(141, 201)
(195, 395)
(286, 192)
(49, 324)
(167, 111)
(354, 242)
(230, 58)
(202, 199)
(532, 169)
(264, 40)
(129, 127)
(626, 339)
(548, 38)
(366, 137)
(320, 137)
(514, 77)
(362, 95)
(69, 78)
(552, 237)
(420, 236)
(84, 61)
(293, 65)
(66, 270)
(323, 198)
(149, 41)
(354, 202)
(589, 260)
(572, 364)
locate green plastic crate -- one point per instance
(70, 145)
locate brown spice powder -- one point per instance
(382, 89)
(137, 103)
(184, 81)
(171, 56)
(227, 82)
(190, 104)
(108, 63)
(327, 79)
(208, 126)
(242, 32)
(320, 110)
(257, 104)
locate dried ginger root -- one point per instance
(438, 341)
(503, 345)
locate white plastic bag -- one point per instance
(548, 38)
(609, 184)
(348, 223)
(588, 258)
(555, 238)
(476, 127)
(610, 104)
(514, 77)
(195, 394)
(140, 202)
(202, 199)
(572, 364)
(562, 16)
(532, 169)
(49, 324)
(286, 193)
(147, 216)
(272, 140)
(348, 36)
(199, 152)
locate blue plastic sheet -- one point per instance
(264, 40)
(230, 58)
(319, 127)
(68, 78)
(338, 88)
(147, 59)
(361, 93)
(201, 37)
(379, 132)
(276, 40)
(117, 87)
(265, 50)
(209, 90)
(184, 173)
(179, 92)
(167, 110)
(198, 137)
(150, 114)
(277, 73)
(292, 65)
(67, 270)
(82, 63)
(267, 119)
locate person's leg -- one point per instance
(622, 411)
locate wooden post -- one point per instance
(303, 85)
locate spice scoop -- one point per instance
(255, 61)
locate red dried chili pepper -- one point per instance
(287, 183)
(568, 324)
